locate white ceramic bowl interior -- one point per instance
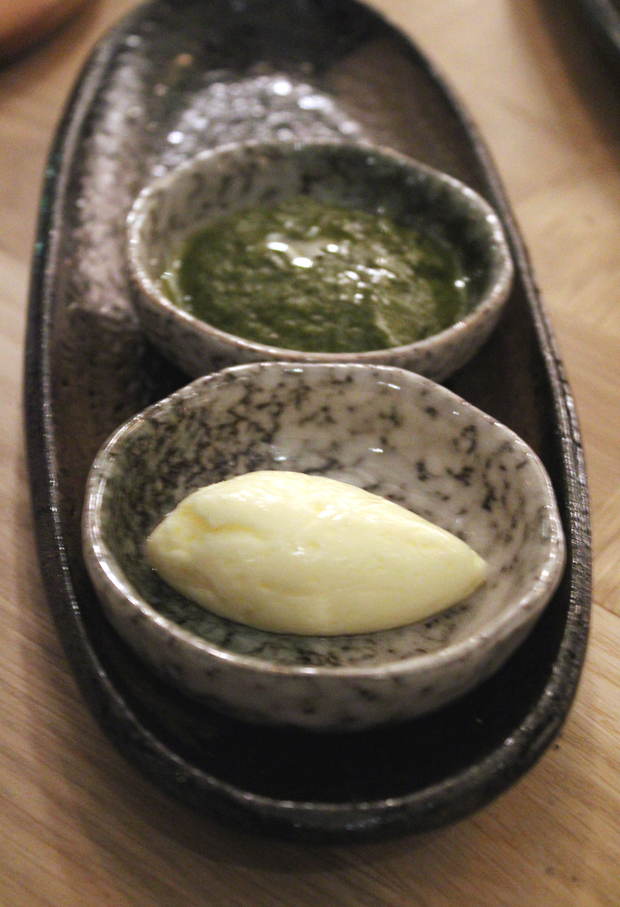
(232, 177)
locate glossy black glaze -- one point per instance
(88, 368)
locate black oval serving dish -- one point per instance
(170, 79)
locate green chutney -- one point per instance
(318, 277)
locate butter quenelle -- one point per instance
(293, 553)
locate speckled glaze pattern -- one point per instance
(235, 176)
(389, 431)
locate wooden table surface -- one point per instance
(78, 826)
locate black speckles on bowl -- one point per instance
(365, 425)
(185, 70)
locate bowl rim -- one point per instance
(493, 299)
(527, 607)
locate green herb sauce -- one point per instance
(318, 277)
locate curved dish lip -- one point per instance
(494, 298)
(502, 625)
(458, 793)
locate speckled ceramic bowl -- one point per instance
(244, 175)
(387, 430)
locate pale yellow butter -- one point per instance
(292, 553)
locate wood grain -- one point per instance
(78, 825)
